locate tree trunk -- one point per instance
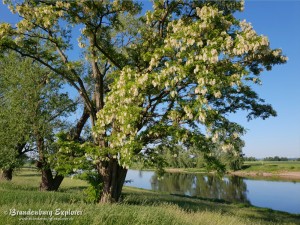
(7, 174)
(57, 182)
(49, 183)
(113, 176)
(46, 182)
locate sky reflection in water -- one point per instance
(278, 195)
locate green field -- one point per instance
(271, 166)
(138, 207)
(251, 166)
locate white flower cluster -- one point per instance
(189, 112)
(207, 12)
(44, 15)
(122, 111)
(227, 147)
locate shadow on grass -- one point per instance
(72, 189)
(245, 167)
(29, 175)
(204, 199)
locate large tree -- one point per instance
(15, 130)
(32, 110)
(169, 76)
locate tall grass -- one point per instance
(138, 207)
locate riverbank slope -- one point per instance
(288, 170)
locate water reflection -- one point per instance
(279, 195)
(231, 188)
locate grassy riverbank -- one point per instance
(285, 170)
(253, 167)
(138, 207)
(272, 166)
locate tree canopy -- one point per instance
(32, 108)
(172, 75)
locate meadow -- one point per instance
(274, 167)
(271, 166)
(137, 207)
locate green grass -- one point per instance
(272, 166)
(251, 166)
(138, 207)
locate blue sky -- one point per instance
(280, 22)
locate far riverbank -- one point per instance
(286, 175)
(288, 170)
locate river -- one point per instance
(277, 195)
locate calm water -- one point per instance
(278, 195)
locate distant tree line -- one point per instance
(276, 158)
(251, 158)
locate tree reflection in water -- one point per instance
(232, 188)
